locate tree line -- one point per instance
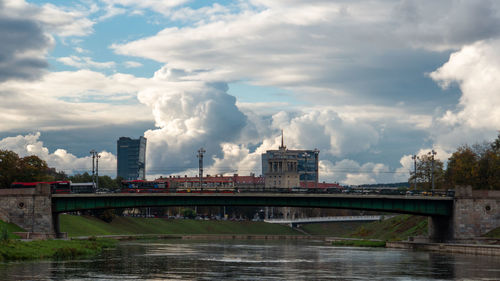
(476, 165)
(33, 169)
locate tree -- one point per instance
(462, 167)
(477, 166)
(85, 177)
(32, 168)
(8, 167)
(424, 173)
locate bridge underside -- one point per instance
(396, 204)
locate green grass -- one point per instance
(87, 226)
(10, 229)
(359, 243)
(337, 229)
(495, 233)
(394, 229)
(52, 249)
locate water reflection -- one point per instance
(257, 260)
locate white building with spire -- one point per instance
(285, 168)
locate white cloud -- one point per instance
(85, 62)
(60, 159)
(55, 20)
(116, 7)
(350, 172)
(306, 44)
(475, 68)
(132, 64)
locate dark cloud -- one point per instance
(20, 37)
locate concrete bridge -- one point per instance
(295, 222)
(467, 215)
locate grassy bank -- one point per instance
(359, 243)
(9, 228)
(52, 249)
(336, 229)
(87, 226)
(495, 233)
(394, 229)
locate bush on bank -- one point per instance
(12, 250)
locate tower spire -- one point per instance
(282, 141)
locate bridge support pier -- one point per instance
(29, 208)
(440, 229)
(55, 223)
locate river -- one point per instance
(256, 260)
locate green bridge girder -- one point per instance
(417, 205)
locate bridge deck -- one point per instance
(420, 205)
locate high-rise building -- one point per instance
(288, 168)
(131, 158)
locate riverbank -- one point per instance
(489, 250)
(76, 226)
(14, 250)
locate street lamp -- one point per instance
(93, 153)
(95, 167)
(200, 164)
(414, 158)
(432, 153)
(316, 166)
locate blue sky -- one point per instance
(369, 83)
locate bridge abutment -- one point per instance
(475, 212)
(28, 208)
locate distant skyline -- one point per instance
(368, 83)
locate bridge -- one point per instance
(294, 222)
(466, 215)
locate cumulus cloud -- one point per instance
(350, 172)
(60, 159)
(64, 100)
(475, 69)
(189, 115)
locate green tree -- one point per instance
(107, 182)
(424, 173)
(85, 177)
(8, 167)
(462, 167)
(477, 166)
(32, 168)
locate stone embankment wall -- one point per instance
(476, 212)
(29, 208)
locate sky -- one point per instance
(369, 83)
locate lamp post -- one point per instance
(93, 153)
(432, 153)
(200, 164)
(316, 166)
(415, 157)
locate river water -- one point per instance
(256, 260)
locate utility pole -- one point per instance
(97, 170)
(415, 157)
(200, 164)
(432, 153)
(316, 166)
(93, 153)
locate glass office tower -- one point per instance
(131, 158)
